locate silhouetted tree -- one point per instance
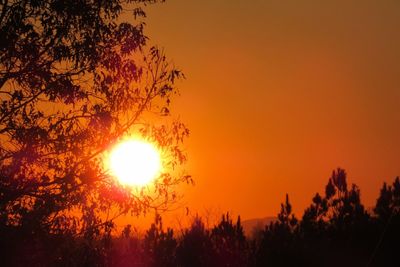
(74, 79)
(126, 250)
(340, 207)
(195, 247)
(229, 243)
(383, 207)
(337, 221)
(388, 203)
(278, 245)
(344, 206)
(160, 245)
(387, 241)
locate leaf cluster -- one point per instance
(74, 80)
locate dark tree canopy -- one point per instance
(75, 79)
(334, 231)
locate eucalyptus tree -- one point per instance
(75, 78)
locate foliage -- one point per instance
(195, 247)
(372, 240)
(388, 202)
(74, 80)
(278, 244)
(387, 211)
(229, 242)
(340, 207)
(160, 245)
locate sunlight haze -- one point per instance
(279, 93)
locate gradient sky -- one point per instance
(279, 93)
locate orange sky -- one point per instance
(279, 93)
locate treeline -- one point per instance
(335, 230)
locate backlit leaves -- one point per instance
(73, 81)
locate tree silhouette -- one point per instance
(337, 221)
(387, 210)
(334, 230)
(75, 79)
(229, 242)
(160, 245)
(278, 245)
(340, 206)
(195, 246)
(388, 203)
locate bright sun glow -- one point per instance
(135, 162)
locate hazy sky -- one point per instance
(279, 93)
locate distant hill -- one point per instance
(252, 225)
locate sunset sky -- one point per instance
(279, 93)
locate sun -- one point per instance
(135, 162)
